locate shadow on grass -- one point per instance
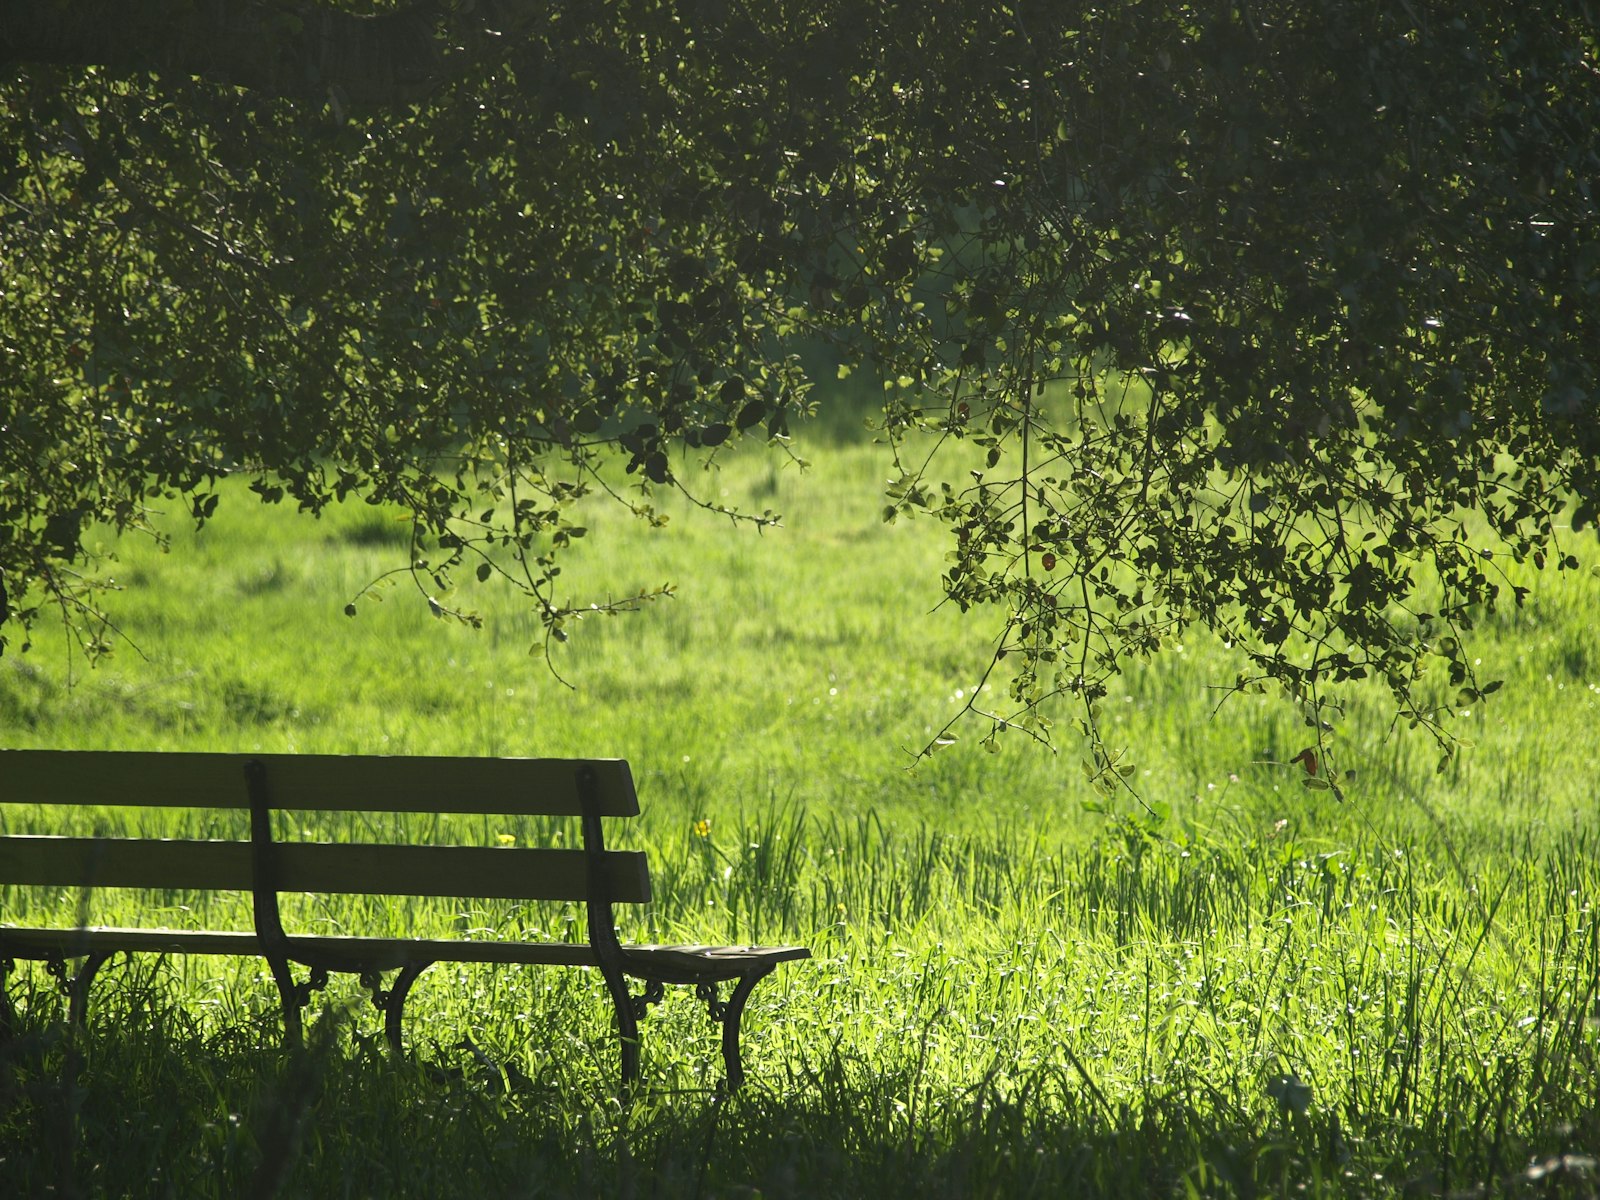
(153, 1108)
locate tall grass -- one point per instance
(1274, 994)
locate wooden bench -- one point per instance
(265, 866)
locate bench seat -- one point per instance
(389, 954)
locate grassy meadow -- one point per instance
(1277, 994)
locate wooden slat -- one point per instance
(117, 862)
(354, 783)
(383, 954)
(476, 871)
(71, 943)
(350, 868)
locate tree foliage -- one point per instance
(1275, 319)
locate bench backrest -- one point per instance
(585, 788)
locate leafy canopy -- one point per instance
(1271, 318)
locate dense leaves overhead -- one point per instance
(1275, 318)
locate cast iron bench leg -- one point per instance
(75, 986)
(295, 996)
(394, 1001)
(289, 993)
(78, 989)
(627, 1027)
(731, 1016)
(8, 1017)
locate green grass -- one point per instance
(1279, 995)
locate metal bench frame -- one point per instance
(588, 788)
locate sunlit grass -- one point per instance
(1275, 993)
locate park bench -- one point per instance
(266, 866)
